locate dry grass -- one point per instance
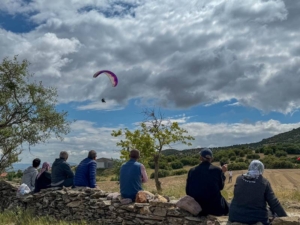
(26, 218)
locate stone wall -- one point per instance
(93, 205)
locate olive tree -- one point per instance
(27, 111)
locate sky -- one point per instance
(226, 70)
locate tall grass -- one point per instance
(21, 217)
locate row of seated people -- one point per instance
(252, 192)
(61, 173)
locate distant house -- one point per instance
(104, 163)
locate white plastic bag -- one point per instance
(22, 190)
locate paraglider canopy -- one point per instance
(113, 78)
(103, 100)
(298, 159)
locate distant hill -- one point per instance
(290, 137)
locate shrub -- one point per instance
(242, 154)
(238, 166)
(161, 173)
(280, 153)
(179, 172)
(232, 158)
(176, 165)
(239, 160)
(253, 156)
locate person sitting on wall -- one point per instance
(62, 175)
(30, 174)
(252, 192)
(85, 175)
(43, 179)
(132, 175)
(204, 184)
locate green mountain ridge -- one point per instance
(287, 138)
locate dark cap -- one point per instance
(206, 153)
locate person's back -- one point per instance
(29, 175)
(132, 175)
(252, 192)
(43, 182)
(62, 175)
(204, 184)
(43, 179)
(85, 175)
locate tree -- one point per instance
(27, 111)
(154, 134)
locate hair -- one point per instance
(92, 154)
(203, 159)
(63, 155)
(36, 162)
(134, 154)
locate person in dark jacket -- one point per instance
(43, 179)
(85, 175)
(204, 184)
(132, 175)
(62, 175)
(252, 192)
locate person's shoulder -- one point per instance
(215, 168)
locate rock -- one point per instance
(286, 221)
(144, 197)
(113, 196)
(125, 201)
(189, 204)
(74, 204)
(159, 198)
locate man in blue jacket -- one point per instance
(85, 175)
(132, 175)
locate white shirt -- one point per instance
(230, 173)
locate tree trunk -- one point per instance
(156, 167)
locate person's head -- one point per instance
(36, 163)
(206, 155)
(46, 166)
(64, 155)
(92, 154)
(256, 167)
(134, 154)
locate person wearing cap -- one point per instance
(204, 184)
(132, 175)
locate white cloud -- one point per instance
(86, 136)
(179, 54)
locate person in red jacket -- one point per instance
(85, 175)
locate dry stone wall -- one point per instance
(103, 208)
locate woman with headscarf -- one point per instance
(252, 192)
(43, 179)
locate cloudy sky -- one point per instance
(227, 70)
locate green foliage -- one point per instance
(280, 153)
(272, 162)
(27, 111)
(117, 163)
(161, 173)
(253, 156)
(232, 158)
(237, 166)
(268, 151)
(152, 136)
(176, 165)
(179, 172)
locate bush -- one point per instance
(253, 156)
(280, 153)
(239, 160)
(161, 173)
(162, 165)
(176, 165)
(232, 158)
(268, 151)
(238, 166)
(242, 154)
(189, 161)
(179, 172)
